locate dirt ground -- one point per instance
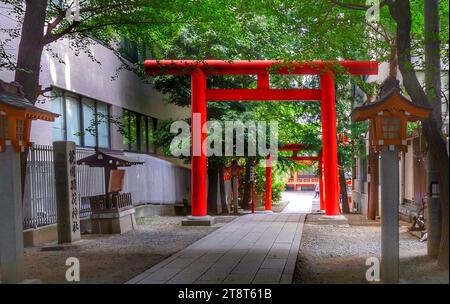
(337, 254)
(118, 258)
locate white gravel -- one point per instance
(337, 254)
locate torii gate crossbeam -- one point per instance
(200, 94)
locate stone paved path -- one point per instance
(254, 248)
(300, 201)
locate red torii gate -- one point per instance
(294, 148)
(200, 94)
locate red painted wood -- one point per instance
(261, 94)
(321, 189)
(268, 204)
(157, 67)
(198, 172)
(293, 147)
(329, 144)
(303, 158)
(263, 81)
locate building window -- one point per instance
(138, 132)
(89, 118)
(59, 129)
(73, 126)
(102, 124)
(3, 126)
(82, 120)
(20, 128)
(134, 52)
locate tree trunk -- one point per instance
(31, 46)
(431, 127)
(344, 194)
(434, 215)
(433, 89)
(247, 188)
(393, 62)
(213, 197)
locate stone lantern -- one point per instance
(389, 115)
(16, 114)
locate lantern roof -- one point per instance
(108, 158)
(12, 97)
(391, 100)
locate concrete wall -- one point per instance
(409, 174)
(157, 181)
(359, 192)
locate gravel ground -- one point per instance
(276, 206)
(337, 254)
(118, 258)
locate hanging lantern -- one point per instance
(390, 114)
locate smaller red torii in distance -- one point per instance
(294, 148)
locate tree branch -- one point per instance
(360, 7)
(71, 29)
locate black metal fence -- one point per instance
(39, 203)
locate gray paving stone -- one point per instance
(286, 279)
(216, 273)
(238, 279)
(268, 275)
(137, 278)
(180, 263)
(162, 274)
(279, 251)
(274, 263)
(190, 274)
(254, 248)
(151, 281)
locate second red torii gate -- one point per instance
(200, 94)
(295, 148)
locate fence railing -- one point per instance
(39, 203)
(156, 181)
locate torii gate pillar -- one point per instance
(321, 188)
(198, 154)
(329, 144)
(268, 205)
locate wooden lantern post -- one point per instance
(389, 115)
(16, 114)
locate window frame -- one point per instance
(150, 125)
(81, 125)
